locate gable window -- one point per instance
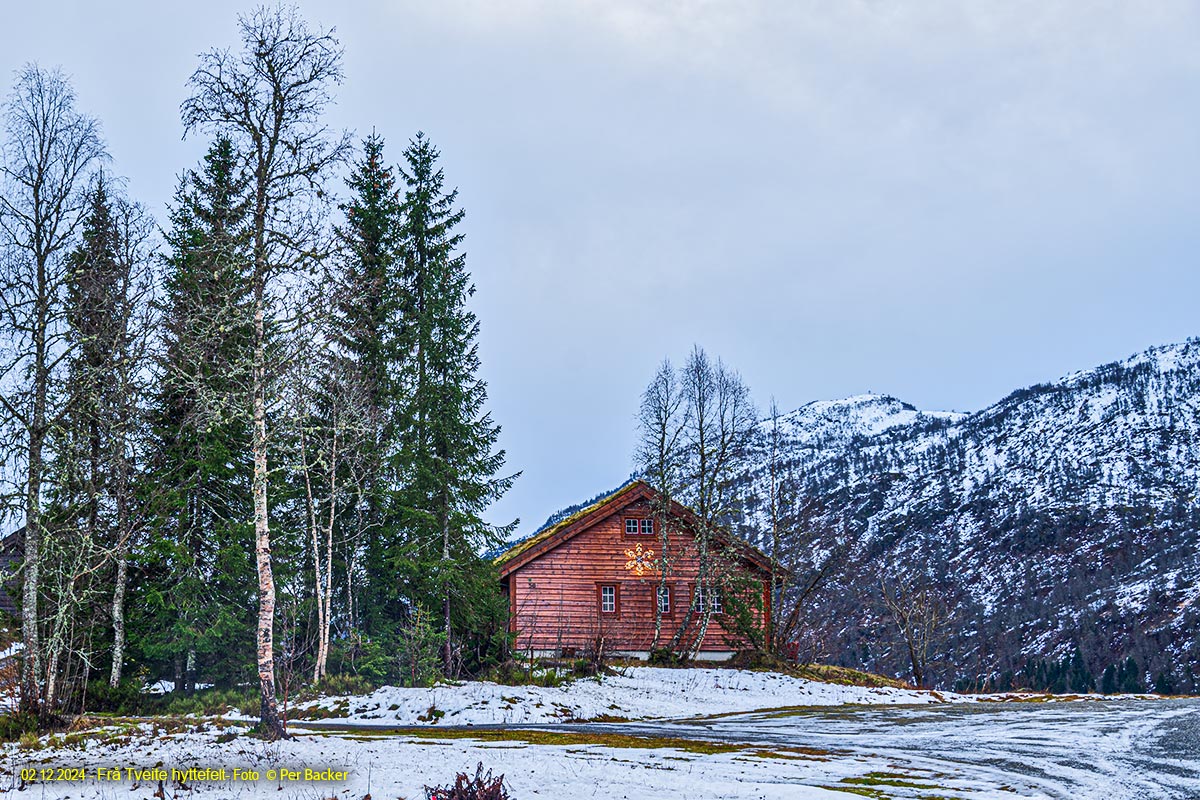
(711, 596)
(609, 599)
(664, 600)
(639, 526)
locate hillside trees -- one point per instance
(269, 99)
(50, 150)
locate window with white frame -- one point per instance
(710, 595)
(638, 526)
(664, 599)
(608, 599)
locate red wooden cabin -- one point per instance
(592, 580)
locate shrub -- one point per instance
(15, 726)
(663, 657)
(482, 787)
(347, 684)
(417, 656)
(124, 698)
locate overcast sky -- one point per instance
(935, 200)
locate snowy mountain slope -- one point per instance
(1061, 518)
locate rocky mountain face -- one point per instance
(1056, 531)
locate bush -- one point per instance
(370, 658)
(14, 726)
(512, 673)
(347, 684)
(417, 656)
(124, 698)
(663, 657)
(759, 660)
(482, 787)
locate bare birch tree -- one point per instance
(662, 419)
(269, 99)
(135, 229)
(695, 432)
(919, 614)
(50, 149)
(721, 423)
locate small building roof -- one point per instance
(557, 531)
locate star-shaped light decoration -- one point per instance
(640, 561)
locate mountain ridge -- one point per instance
(1060, 519)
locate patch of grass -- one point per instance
(792, 754)
(888, 779)
(611, 740)
(844, 676)
(859, 790)
(339, 709)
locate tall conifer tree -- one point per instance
(99, 442)
(368, 336)
(196, 601)
(449, 440)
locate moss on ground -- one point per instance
(573, 739)
(888, 779)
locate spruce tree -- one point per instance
(78, 517)
(98, 442)
(450, 462)
(196, 598)
(368, 338)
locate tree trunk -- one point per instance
(447, 647)
(118, 615)
(327, 623)
(270, 721)
(318, 590)
(189, 671)
(30, 655)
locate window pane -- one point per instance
(664, 600)
(608, 598)
(647, 526)
(631, 526)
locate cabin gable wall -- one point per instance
(579, 592)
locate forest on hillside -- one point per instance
(246, 444)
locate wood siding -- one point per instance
(555, 599)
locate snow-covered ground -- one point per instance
(639, 693)
(1126, 750)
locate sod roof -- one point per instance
(557, 523)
